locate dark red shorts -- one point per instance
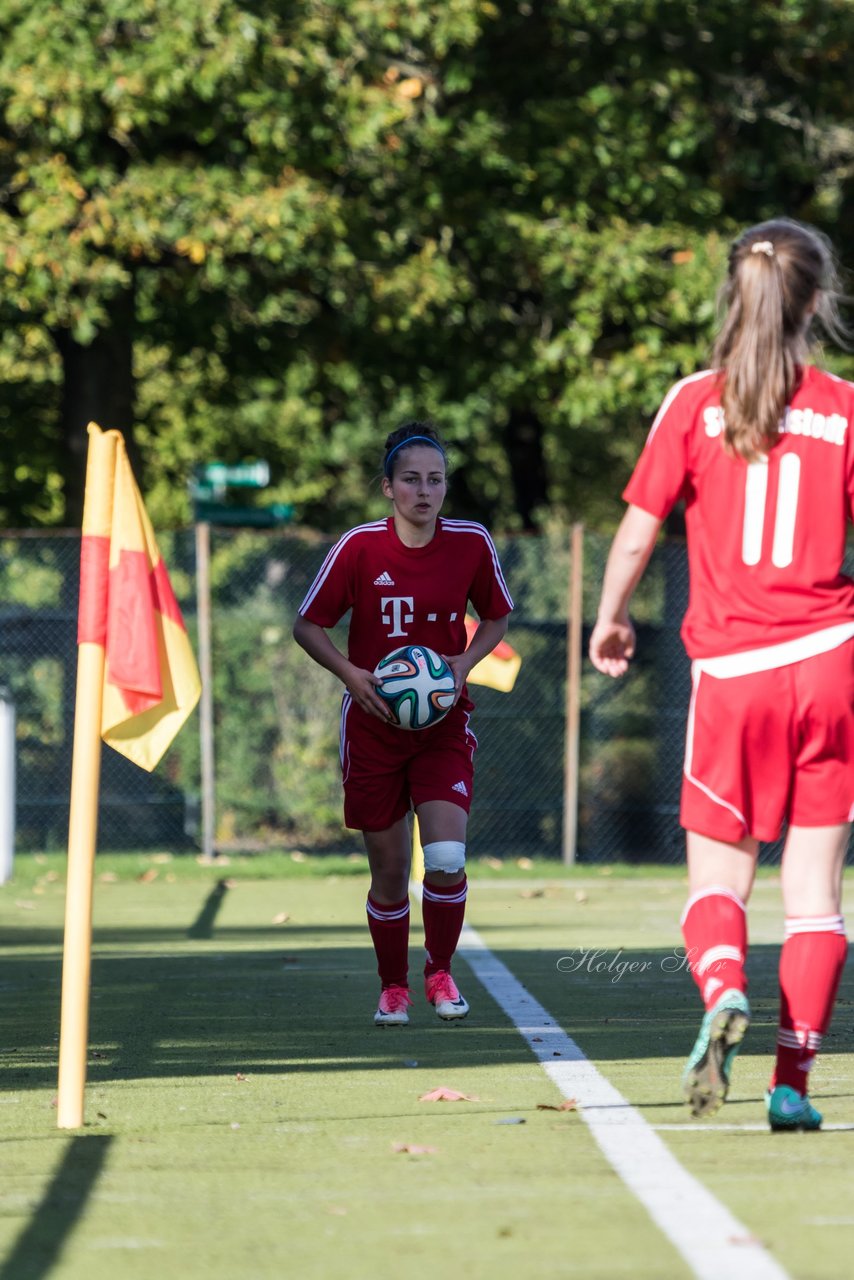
(386, 770)
(771, 746)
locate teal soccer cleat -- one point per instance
(705, 1080)
(789, 1110)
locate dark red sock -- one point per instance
(714, 927)
(389, 926)
(811, 964)
(443, 910)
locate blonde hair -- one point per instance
(781, 273)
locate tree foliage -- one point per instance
(306, 221)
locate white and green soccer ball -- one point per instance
(417, 684)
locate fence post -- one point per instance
(574, 622)
(206, 727)
(7, 785)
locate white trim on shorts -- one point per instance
(689, 753)
(775, 655)
(343, 744)
(470, 734)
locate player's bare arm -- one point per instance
(361, 684)
(612, 643)
(489, 633)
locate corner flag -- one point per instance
(151, 681)
(499, 669)
(137, 681)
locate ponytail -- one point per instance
(780, 274)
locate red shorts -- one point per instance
(388, 770)
(770, 746)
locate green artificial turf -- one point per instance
(243, 1113)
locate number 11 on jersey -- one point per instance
(755, 495)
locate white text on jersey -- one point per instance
(831, 427)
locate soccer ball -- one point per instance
(417, 684)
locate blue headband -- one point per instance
(404, 444)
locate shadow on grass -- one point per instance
(37, 1249)
(203, 925)
(213, 1000)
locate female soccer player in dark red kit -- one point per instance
(759, 448)
(408, 580)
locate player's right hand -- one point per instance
(362, 687)
(612, 644)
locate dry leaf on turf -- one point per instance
(568, 1104)
(147, 876)
(412, 1149)
(241, 1076)
(447, 1095)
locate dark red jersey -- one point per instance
(407, 595)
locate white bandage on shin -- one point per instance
(444, 855)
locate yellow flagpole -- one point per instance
(416, 872)
(83, 819)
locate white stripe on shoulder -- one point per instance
(672, 394)
(834, 377)
(472, 526)
(376, 526)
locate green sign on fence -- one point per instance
(240, 475)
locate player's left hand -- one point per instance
(461, 665)
(612, 645)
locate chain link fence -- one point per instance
(276, 712)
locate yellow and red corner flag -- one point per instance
(499, 669)
(137, 681)
(127, 605)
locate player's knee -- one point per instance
(444, 855)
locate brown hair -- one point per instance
(410, 433)
(780, 274)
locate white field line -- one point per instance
(712, 1241)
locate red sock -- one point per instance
(811, 964)
(389, 926)
(714, 926)
(443, 910)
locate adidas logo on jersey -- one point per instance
(384, 580)
(461, 787)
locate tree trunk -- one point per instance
(98, 387)
(523, 440)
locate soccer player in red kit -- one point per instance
(760, 450)
(408, 580)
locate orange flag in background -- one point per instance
(499, 669)
(151, 681)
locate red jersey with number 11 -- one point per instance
(766, 539)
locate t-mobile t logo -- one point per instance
(398, 605)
